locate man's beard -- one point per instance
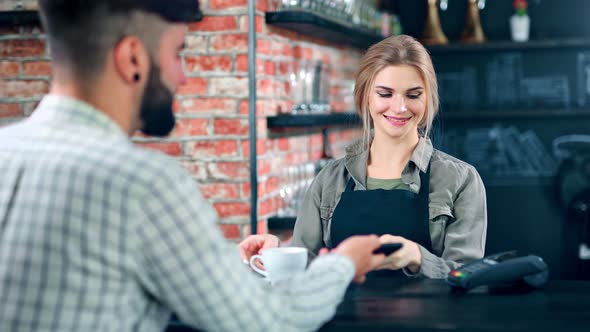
(156, 106)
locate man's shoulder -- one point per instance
(103, 155)
(143, 161)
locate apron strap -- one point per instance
(425, 182)
(350, 185)
(424, 198)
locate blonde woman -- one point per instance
(392, 182)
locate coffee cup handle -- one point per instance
(254, 267)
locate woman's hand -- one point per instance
(408, 256)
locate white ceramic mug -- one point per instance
(280, 263)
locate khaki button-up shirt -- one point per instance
(457, 205)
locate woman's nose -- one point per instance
(398, 104)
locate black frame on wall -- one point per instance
(19, 17)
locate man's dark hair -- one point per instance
(82, 32)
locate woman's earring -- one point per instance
(136, 77)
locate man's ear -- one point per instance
(131, 60)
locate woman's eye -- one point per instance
(384, 95)
(414, 96)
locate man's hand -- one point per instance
(255, 244)
(360, 250)
(408, 256)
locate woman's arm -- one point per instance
(308, 227)
(465, 235)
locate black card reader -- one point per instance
(502, 269)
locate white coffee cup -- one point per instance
(280, 263)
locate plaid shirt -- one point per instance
(97, 234)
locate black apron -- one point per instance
(396, 212)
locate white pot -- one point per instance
(519, 27)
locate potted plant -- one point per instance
(520, 22)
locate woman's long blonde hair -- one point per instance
(395, 51)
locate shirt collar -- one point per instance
(62, 109)
(422, 153)
(357, 155)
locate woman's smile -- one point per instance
(397, 121)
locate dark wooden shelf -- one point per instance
(530, 181)
(281, 223)
(19, 17)
(28, 17)
(312, 120)
(516, 114)
(352, 119)
(545, 44)
(313, 25)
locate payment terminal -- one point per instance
(504, 269)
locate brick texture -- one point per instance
(23, 88)
(210, 139)
(191, 127)
(172, 149)
(225, 4)
(37, 68)
(10, 111)
(9, 69)
(22, 48)
(230, 231)
(220, 191)
(215, 23)
(197, 64)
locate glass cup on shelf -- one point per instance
(347, 94)
(315, 68)
(308, 5)
(312, 86)
(273, 5)
(320, 7)
(332, 9)
(290, 4)
(284, 192)
(349, 6)
(294, 189)
(300, 99)
(324, 88)
(299, 187)
(365, 16)
(282, 212)
(294, 88)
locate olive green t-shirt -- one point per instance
(387, 184)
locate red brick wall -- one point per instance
(24, 71)
(276, 48)
(211, 136)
